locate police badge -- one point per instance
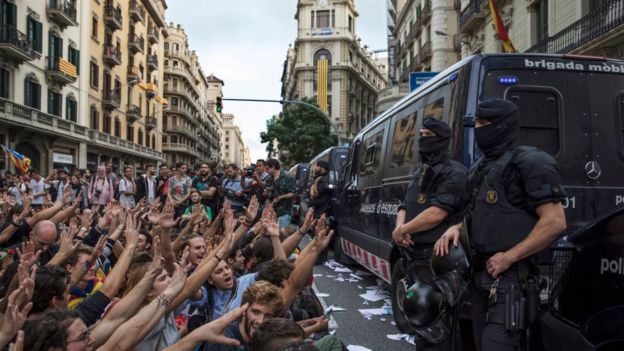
(491, 197)
(421, 199)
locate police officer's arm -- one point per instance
(441, 247)
(550, 225)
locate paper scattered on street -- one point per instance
(334, 308)
(409, 338)
(342, 270)
(374, 295)
(355, 276)
(357, 348)
(317, 275)
(322, 295)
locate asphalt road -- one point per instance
(352, 327)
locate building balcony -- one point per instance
(189, 133)
(183, 112)
(113, 17)
(425, 51)
(153, 35)
(604, 24)
(60, 71)
(137, 12)
(133, 113)
(133, 74)
(180, 148)
(136, 43)
(154, 10)
(112, 56)
(472, 15)
(152, 62)
(111, 100)
(62, 12)
(28, 118)
(151, 123)
(107, 141)
(15, 45)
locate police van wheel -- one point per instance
(399, 317)
(339, 255)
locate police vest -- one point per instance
(496, 224)
(418, 199)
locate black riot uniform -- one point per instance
(508, 183)
(438, 182)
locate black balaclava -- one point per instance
(501, 134)
(434, 148)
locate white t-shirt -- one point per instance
(126, 185)
(150, 194)
(37, 187)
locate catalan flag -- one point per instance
(20, 161)
(500, 28)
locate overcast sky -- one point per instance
(244, 43)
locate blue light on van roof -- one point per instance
(507, 80)
(452, 77)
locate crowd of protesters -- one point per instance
(173, 259)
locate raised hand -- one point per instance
(309, 221)
(14, 318)
(271, 227)
(320, 225)
(67, 196)
(132, 229)
(27, 254)
(158, 260)
(197, 214)
(97, 250)
(26, 281)
(177, 282)
(67, 241)
(214, 332)
(185, 256)
(166, 218)
(87, 218)
(252, 210)
(323, 238)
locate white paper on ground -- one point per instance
(357, 348)
(317, 275)
(372, 311)
(322, 295)
(355, 276)
(342, 270)
(397, 337)
(374, 296)
(334, 308)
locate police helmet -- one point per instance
(426, 311)
(452, 273)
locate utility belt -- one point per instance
(521, 301)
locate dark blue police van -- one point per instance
(571, 107)
(335, 156)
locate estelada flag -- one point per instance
(20, 161)
(500, 28)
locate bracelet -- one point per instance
(162, 301)
(218, 258)
(84, 229)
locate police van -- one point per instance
(300, 173)
(335, 156)
(570, 106)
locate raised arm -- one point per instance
(305, 263)
(291, 243)
(128, 305)
(65, 214)
(8, 232)
(116, 277)
(134, 330)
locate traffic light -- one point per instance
(219, 104)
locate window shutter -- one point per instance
(12, 20)
(27, 93)
(50, 102)
(38, 36)
(50, 46)
(37, 95)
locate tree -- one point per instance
(301, 133)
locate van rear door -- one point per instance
(605, 168)
(557, 110)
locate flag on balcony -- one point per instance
(20, 161)
(500, 28)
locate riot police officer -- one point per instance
(433, 203)
(515, 212)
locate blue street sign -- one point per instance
(419, 78)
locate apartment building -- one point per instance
(329, 63)
(191, 122)
(42, 80)
(125, 81)
(232, 144)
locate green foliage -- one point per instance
(300, 132)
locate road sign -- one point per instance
(419, 78)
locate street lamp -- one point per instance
(299, 102)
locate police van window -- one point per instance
(539, 117)
(434, 109)
(403, 141)
(371, 154)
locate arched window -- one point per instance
(323, 53)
